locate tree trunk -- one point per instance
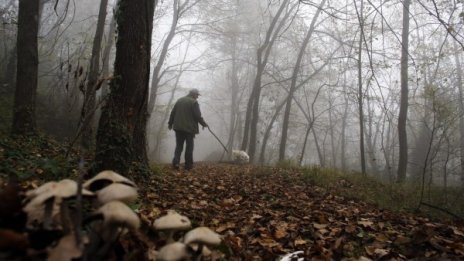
(403, 114)
(332, 134)
(88, 108)
(234, 106)
(10, 72)
(461, 108)
(267, 133)
(296, 69)
(162, 57)
(318, 148)
(24, 121)
(305, 142)
(343, 127)
(371, 140)
(360, 90)
(106, 56)
(121, 134)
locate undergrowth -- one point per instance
(34, 157)
(440, 203)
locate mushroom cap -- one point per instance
(63, 189)
(118, 213)
(172, 221)
(41, 189)
(173, 252)
(109, 176)
(117, 191)
(202, 235)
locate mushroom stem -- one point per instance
(199, 251)
(47, 223)
(64, 215)
(170, 237)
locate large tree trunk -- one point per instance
(88, 107)
(121, 133)
(296, 69)
(24, 121)
(403, 114)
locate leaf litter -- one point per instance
(264, 214)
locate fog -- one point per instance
(288, 80)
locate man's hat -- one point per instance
(194, 91)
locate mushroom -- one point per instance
(117, 191)
(66, 249)
(115, 218)
(173, 252)
(171, 223)
(202, 236)
(106, 178)
(47, 200)
(116, 213)
(43, 188)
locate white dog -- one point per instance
(240, 157)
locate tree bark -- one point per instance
(121, 134)
(24, 120)
(403, 114)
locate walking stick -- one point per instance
(218, 139)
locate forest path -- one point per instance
(266, 212)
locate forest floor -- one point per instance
(263, 213)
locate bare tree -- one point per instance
(403, 114)
(88, 107)
(294, 78)
(360, 95)
(459, 87)
(262, 54)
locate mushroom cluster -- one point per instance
(194, 243)
(91, 217)
(90, 231)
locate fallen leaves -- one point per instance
(264, 214)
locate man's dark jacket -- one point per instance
(186, 115)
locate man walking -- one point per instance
(184, 119)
